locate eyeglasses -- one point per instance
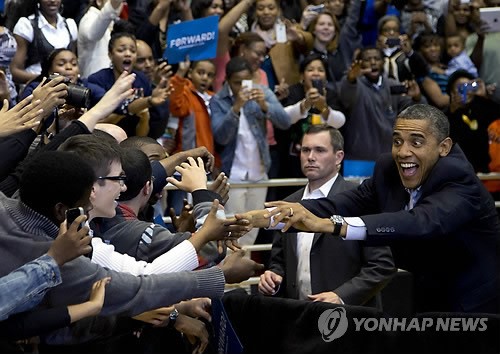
(121, 179)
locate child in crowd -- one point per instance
(455, 47)
(189, 102)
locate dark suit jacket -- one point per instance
(450, 240)
(352, 270)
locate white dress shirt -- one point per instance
(304, 243)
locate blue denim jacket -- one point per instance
(25, 287)
(225, 124)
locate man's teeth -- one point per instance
(408, 165)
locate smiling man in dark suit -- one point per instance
(320, 267)
(428, 204)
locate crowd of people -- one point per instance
(95, 121)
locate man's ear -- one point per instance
(93, 192)
(148, 188)
(60, 212)
(445, 147)
(340, 156)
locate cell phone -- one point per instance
(490, 16)
(248, 84)
(280, 29)
(161, 60)
(72, 214)
(398, 89)
(317, 8)
(392, 42)
(318, 85)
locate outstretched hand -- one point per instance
(24, 115)
(237, 267)
(221, 187)
(193, 175)
(185, 221)
(214, 228)
(121, 89)
(295, 215)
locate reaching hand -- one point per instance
(238, 268)
(221, 187)
(294, 214)
(256, 218)
(204, 154)
(97, 294)
(269, 283)
(307, 17)
(185, 221)
(356, 70)
(215, 229)
(121, 89)
(193, 176)
(24, 115)
(156, 317)
(70, 243)
(161, 93)
(199, 307)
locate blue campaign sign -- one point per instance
(224, 337)
(197, 38)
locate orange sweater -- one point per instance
(186, 104)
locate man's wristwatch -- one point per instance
(337, 222)
(172, 318)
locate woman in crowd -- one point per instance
(435, 83)
(64, 62)
(94, 32)
(38, 35)
(335, 44)
(285, 42)
(239, 114)
(133, 115)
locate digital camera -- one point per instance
(78, 96)
(467, 87)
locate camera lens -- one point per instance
(78, 96)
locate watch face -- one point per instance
(174, 314)
(337, 219)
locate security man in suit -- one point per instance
(318, 266)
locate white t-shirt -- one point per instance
(57, 36)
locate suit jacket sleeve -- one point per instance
(277, 262)
(375, 273)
